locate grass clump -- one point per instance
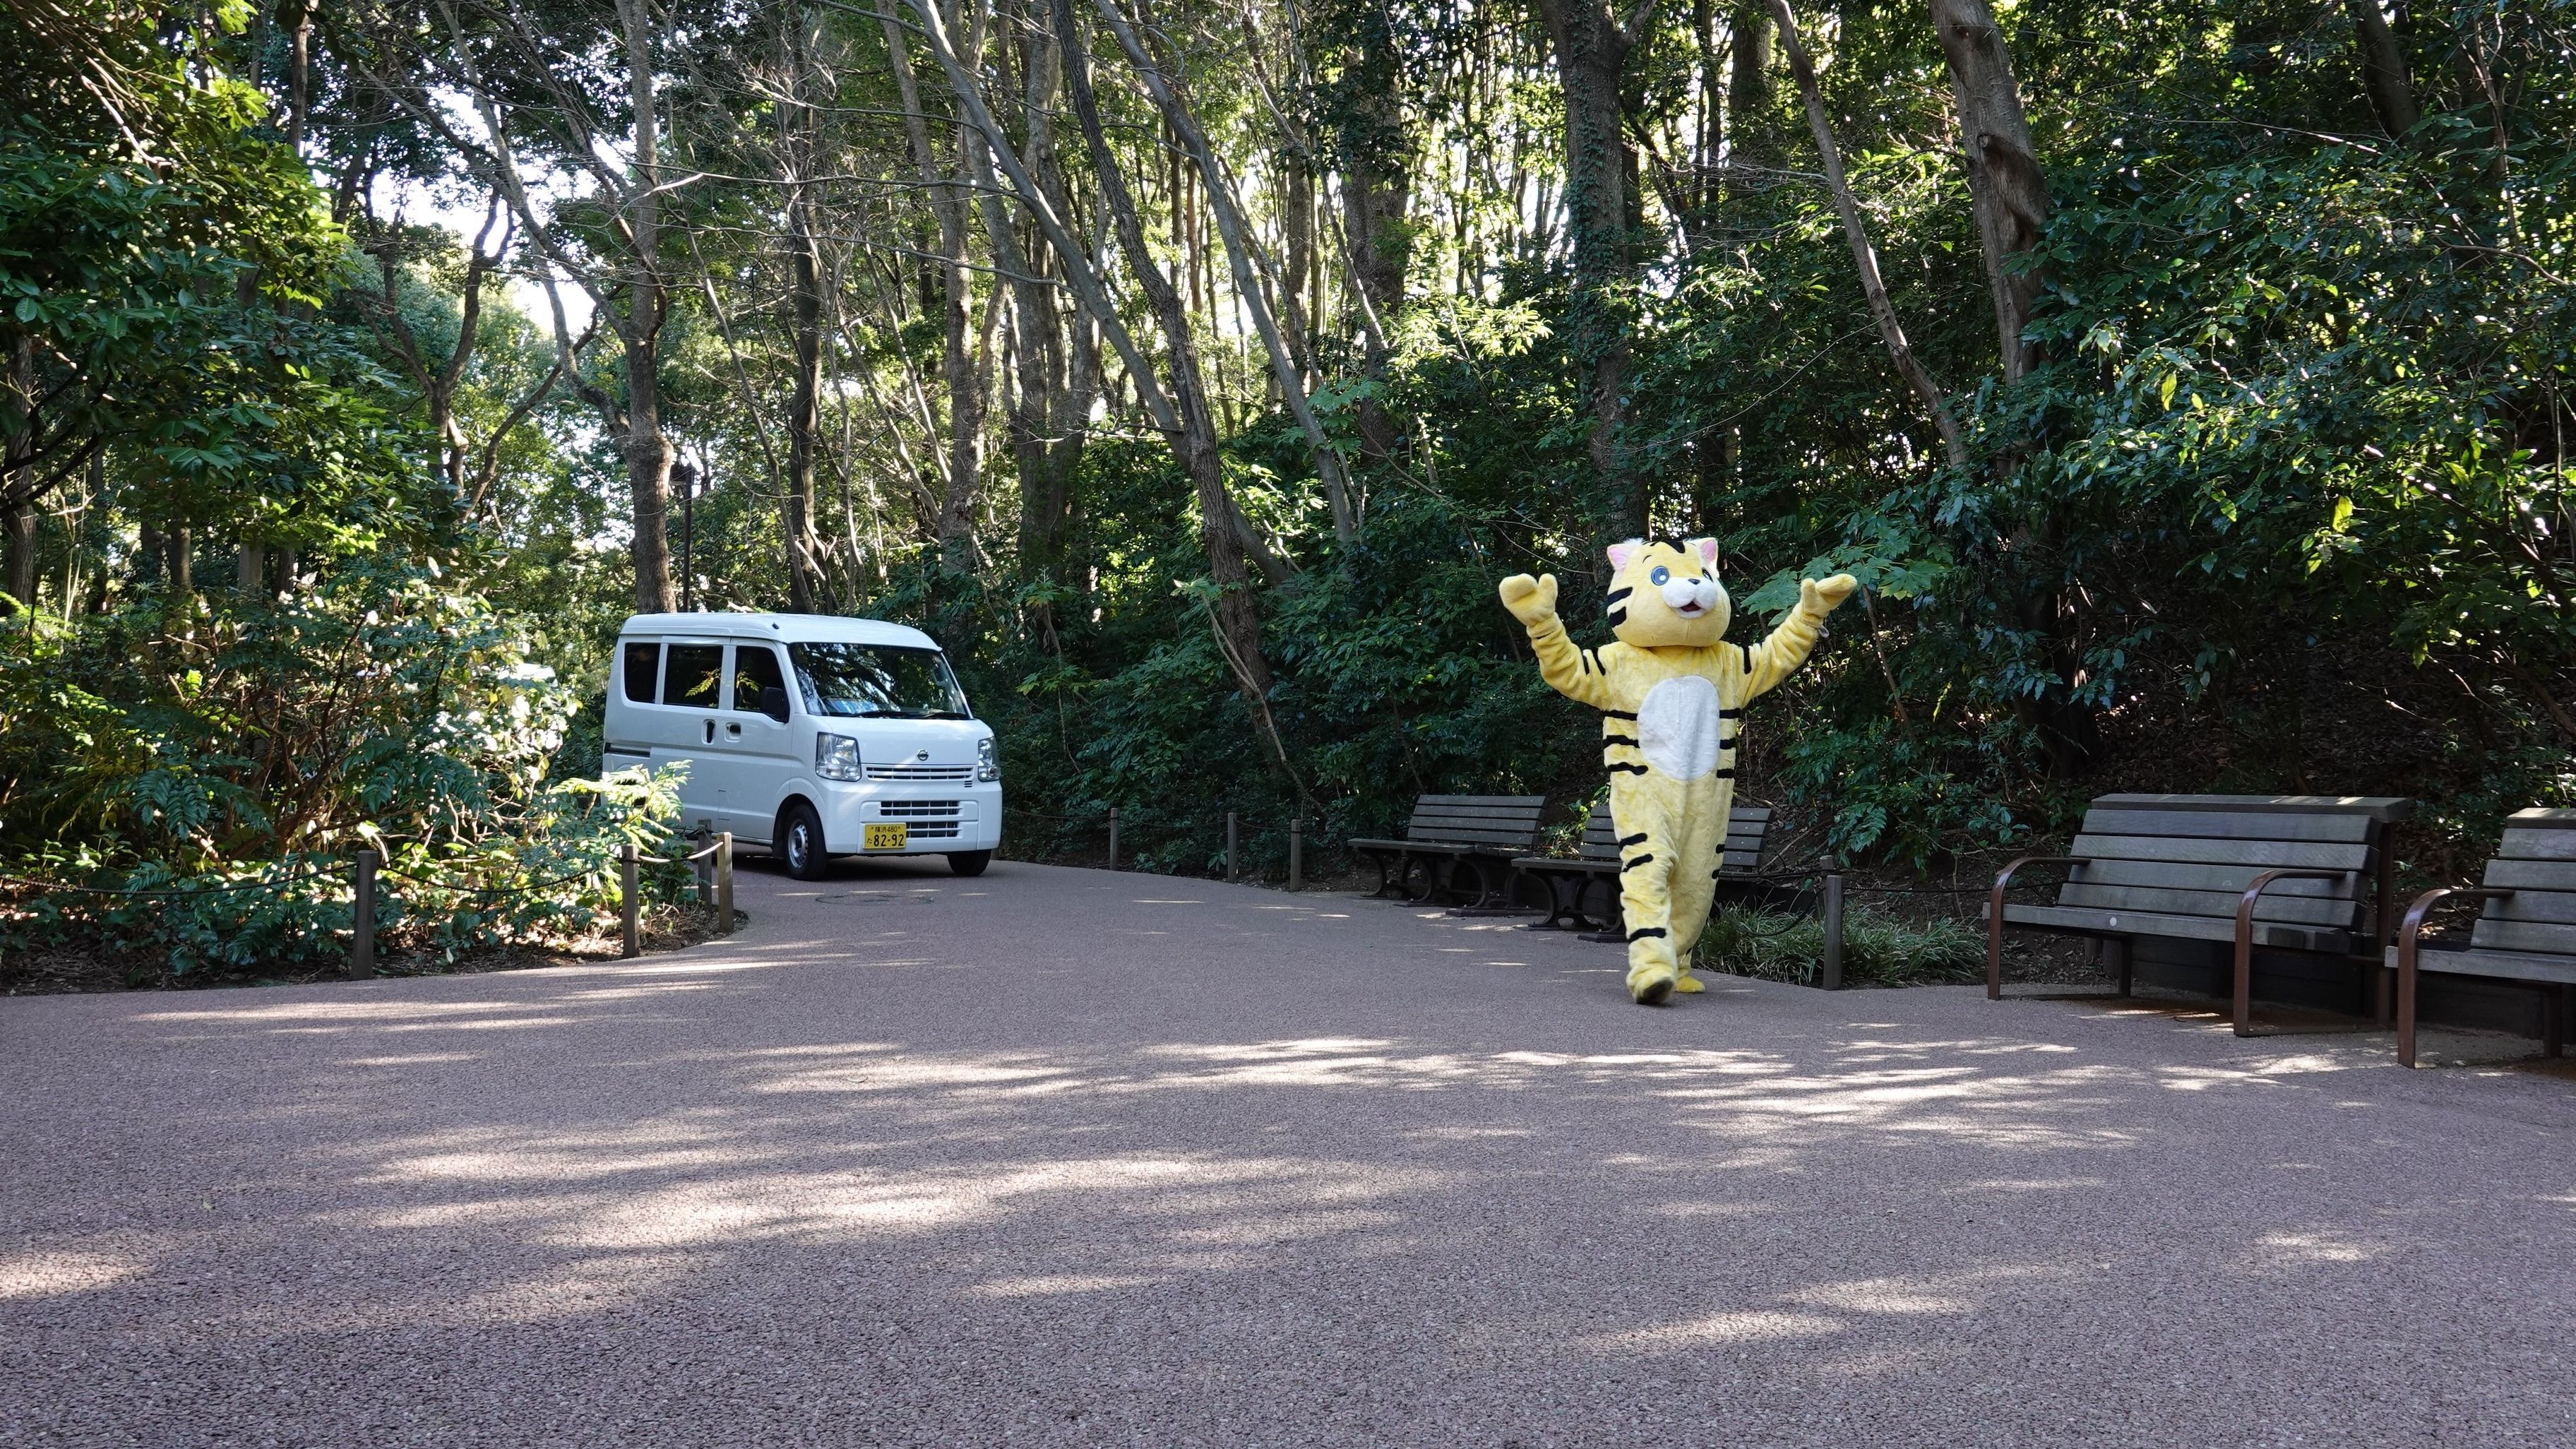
(1878, 949)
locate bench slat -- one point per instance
(2541, 875)
(2534, 905)
(2173, 875)
(2306, 910)
(2509, 965)
(2212, 825)
(2193, 928)
(2538, 845)
(1515, 818)
(2267, 854)
(2493, 935)
(2376, 807)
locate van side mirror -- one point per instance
(773, 702)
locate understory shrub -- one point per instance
(1878, 949)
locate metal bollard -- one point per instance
(1832, 975)
(1296, 852)
(1229, 844)
(1113, 837)
(630, 903)
(724, 883)
(362, 920)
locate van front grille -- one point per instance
(932, 830)
(920, 772)
(917, 809)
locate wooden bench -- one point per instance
(2300, 873)
(1448, 833)
(2527, 932)
(1569, 879)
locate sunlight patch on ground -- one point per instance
(48, 1275)
(1063, 1283)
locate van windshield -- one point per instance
(877, 679)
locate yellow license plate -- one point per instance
(886, 837)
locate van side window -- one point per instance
(643, 668)
(755, 668)
(691, 679)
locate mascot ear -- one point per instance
(1620, 553)
(1706, 548)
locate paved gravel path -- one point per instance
(1060, 1156)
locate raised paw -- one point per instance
(1651, 985)
(1531, 600)
(1826, 595)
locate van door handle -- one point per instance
(711, 732)
(733, 730)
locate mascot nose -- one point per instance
(1687, 595)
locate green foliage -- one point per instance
(1878, 949)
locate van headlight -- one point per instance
(987, 769)
(836, 757)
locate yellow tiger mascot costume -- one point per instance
(1670, 695)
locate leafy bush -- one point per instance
(1878, 949)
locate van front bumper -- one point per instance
(937, 818)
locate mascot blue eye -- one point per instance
(1660, 576)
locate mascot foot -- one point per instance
(1651, 987)
(1688, 984)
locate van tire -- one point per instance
(800, 842)
(969, 862)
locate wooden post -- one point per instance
(1113, 837)
(1296, 852)
(1832, 976)
(1229, 844)
(362, 920)
(630, 902)
(724, 883)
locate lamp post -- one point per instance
(685, 478)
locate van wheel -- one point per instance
(800, 842)
(969, 862)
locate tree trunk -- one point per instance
(955, 299)
(21, 527)
(250, 569)
(2009, 191)
(1591, 57)
(2383, 69)
(648, 453)
(1864, 256)
(804, 407)
(1195, 442)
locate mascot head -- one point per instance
(1662, 596)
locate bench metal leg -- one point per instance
(2553, 1021)
(2124, 951)
(1560, 910)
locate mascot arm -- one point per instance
(1575, 673)
(1778, 656)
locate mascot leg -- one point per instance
(1701, 845)
(1642, 808)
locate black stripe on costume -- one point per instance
(1637, 839)
(1630, 769)
(1620, 713)
(1618, 617)
(1644, 932)
(1628, 740)
(1591, 662)
(1726, 774)
(1640, 860)
(1617, 594)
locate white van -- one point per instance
(814, 736)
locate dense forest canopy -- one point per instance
(2188, 385)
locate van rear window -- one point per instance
(691, 679)
(643, 670)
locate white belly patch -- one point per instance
(1677, 727)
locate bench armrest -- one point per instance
(2245, 936)
(2406, 949)
(1995, 916)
